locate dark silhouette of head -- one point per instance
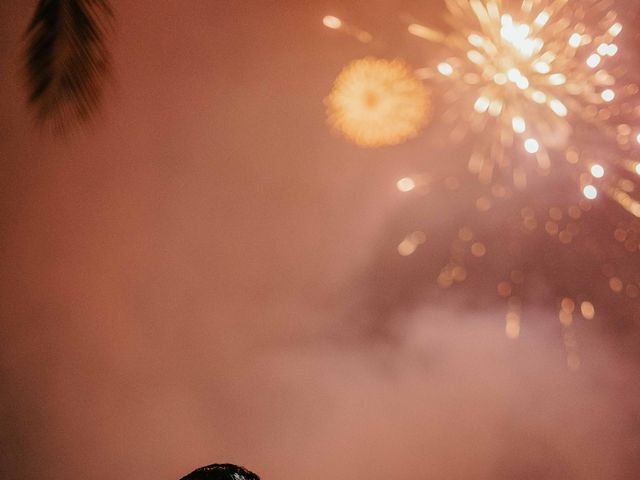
(221, 471)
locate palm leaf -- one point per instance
(67, 60)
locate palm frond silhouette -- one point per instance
(67, 60)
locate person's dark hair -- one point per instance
(221, 471)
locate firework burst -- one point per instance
(538, 79)
(377, 102)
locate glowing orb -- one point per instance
(590, 192)
(376, 102)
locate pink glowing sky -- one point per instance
(182, 283)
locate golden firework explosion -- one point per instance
(527, 75)
(377, 102)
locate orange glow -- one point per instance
(587, 310)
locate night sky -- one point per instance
(205, 273)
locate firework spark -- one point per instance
(580, 257)
(377, 102)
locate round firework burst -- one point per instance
(376, 102)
